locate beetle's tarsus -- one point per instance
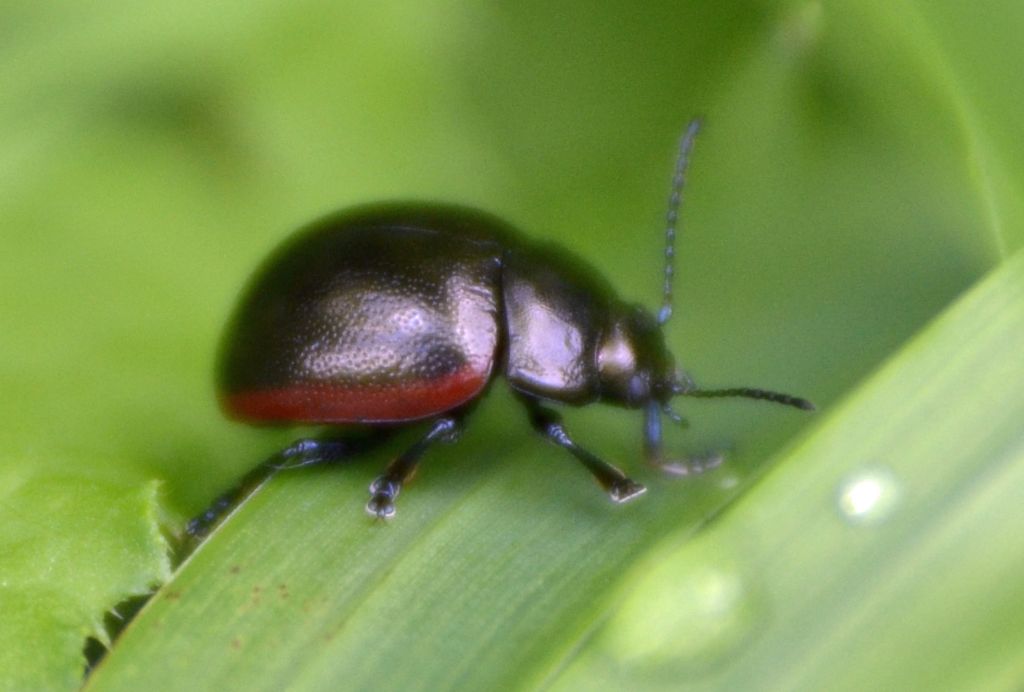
(690, 466)
(626, 490)
(381, 506)
(383, 491)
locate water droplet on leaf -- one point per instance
(868, 496)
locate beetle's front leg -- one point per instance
(385, 488)
(686, 466)
(548, 423)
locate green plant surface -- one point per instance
(860, 168)
(62, 566)
(880, 553)
(857, 553)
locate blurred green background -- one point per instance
(860, 167)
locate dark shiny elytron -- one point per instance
(398, 313)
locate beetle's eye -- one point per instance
(638, 389)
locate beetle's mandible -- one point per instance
(403, 313)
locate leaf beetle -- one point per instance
(390, 315)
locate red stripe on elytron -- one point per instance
(333, 403)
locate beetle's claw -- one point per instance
(381, 506)
(625, 490)
(690, 466)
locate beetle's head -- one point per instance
(634, 364)
(637, 370)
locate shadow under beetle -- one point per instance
(389, 315)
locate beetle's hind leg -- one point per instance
(386, 487)
(548, 423)
(306, 452)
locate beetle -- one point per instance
(393, 314)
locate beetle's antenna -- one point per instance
(675, 201)
(748, 393)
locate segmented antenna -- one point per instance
(750, 393)
(675, 200)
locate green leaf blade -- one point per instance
(57, 581)
(861, 166)
(488, 573)
(882, 550)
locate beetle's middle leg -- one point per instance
(548, 423)
(386, 487)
